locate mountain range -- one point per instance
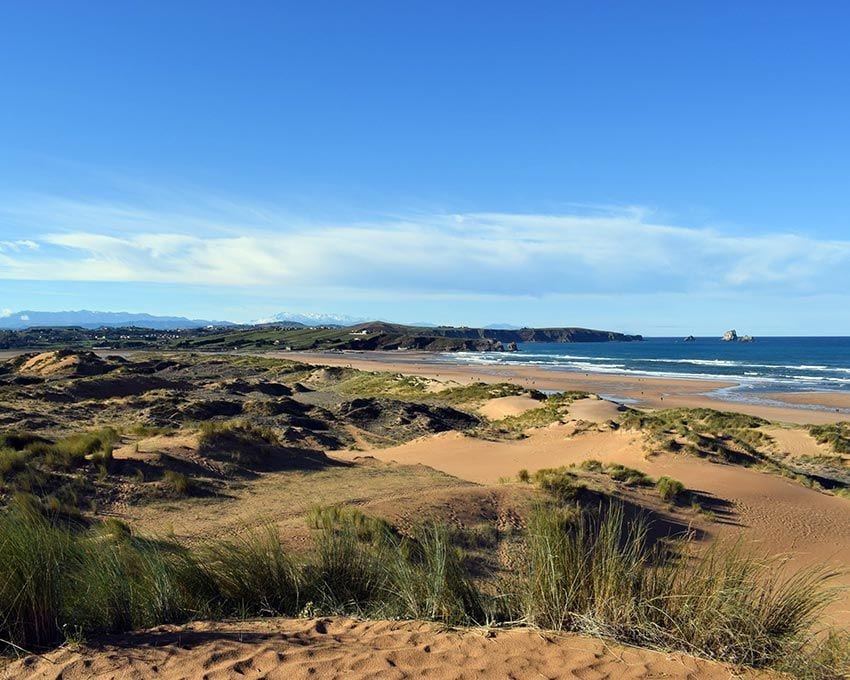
(88, 319)
(92, 319)
(311, 319)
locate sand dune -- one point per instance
(594, 410)
(495, 409)
(485, 462)
(289, 649)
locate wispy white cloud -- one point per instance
(474, 254)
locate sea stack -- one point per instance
(690, 338)
(730, 336)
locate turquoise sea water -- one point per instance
(770, 364)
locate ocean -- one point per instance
(771, 364)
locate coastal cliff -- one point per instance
(379, 335)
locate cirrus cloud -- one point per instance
(487, 254)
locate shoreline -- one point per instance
(802, 408)
(648, 392)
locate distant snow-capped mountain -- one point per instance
(88, 319)
(312, 319)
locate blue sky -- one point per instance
(654, 167)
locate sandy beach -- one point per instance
(645, 392)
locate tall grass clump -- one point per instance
(669, 489)
(176, 483)
(97, 444)
(250, 575)
(58, 579)
(726, 604)
(600, 575)
(347, 573)
(36, 559)
(583, 572)
(427, 579)
(363, 566)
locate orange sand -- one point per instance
(328, 649)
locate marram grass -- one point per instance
(593, 572)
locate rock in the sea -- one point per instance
(512, 347)
(745, 338)
(690, 338)
(730, 336)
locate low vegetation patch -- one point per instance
(176, 483)
(562, 483)
(618, 472)
(416, 388)
(480, 392)
(552, 410)
(241, 446)
(376, 384)
(731, 437)
(56, 473)
(669, 489)
(724, 437)
(835, 435)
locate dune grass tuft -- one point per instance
(835, 435)
(598, 574)
(669, 489)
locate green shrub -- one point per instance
(177, 483)
(669, 489)
(11, 461)
(559, 482)
(592, 465)
(627, 475)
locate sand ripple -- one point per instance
(291, 649)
